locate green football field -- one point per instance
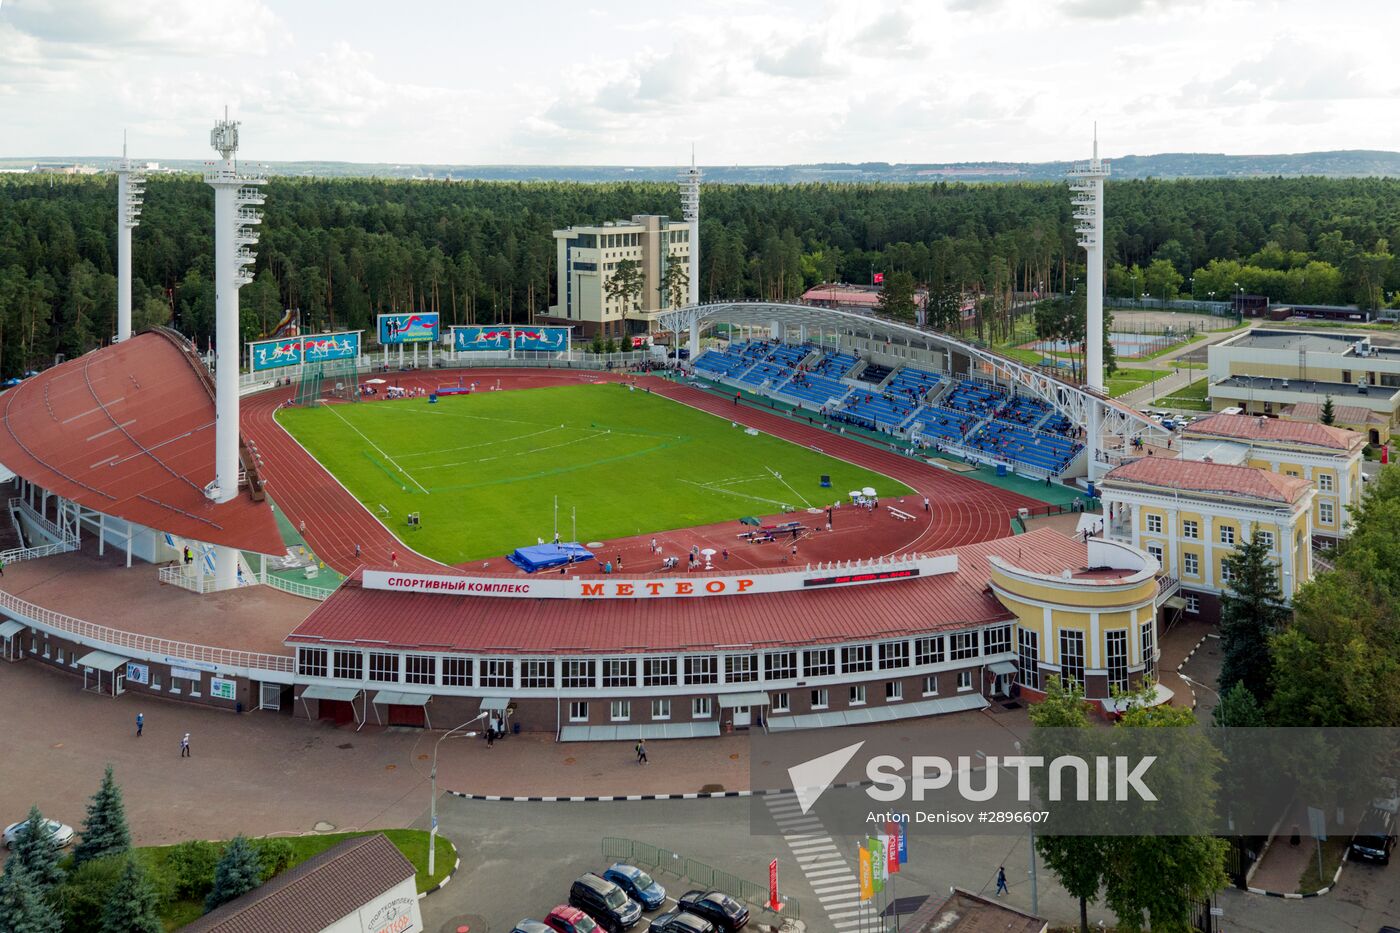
(482, 471)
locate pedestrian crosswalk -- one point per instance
(824, 865)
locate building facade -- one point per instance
(587, 258)
(1192, 515)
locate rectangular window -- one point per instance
(1156, 551)
(929, 650)
(857, 659)
(964, 646)
(894, 655)
(997, 640)
(1072, 657)
(1154, 524)
(780, 665)
(820, 699)
(619, 672)
(1324, 512)
(498, 672)
(931, 685)
(349, 665)
(620, 710)
(1226, 575)
(700, 708)
(1116, 657)
(660, 709)
(819, 662)
(538, 674)
(1193, 603)
(418, 669)
(740, 668)
(857, 695)
(894, 690)
(456, 672)
(659, 672)
(311, 662)
(1190, 529)
(964, 680)
(579, 674)
(1149, 651)
(1227, 534)
(701, 669)
(782, 703)
(578, 711)
(383, 667)
(1028, 658)
(1191, 564)
(1266, 538)
(1324, 482)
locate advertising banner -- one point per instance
(324, 348)
(549, 339)
(774, 903)
(867, 881)
(274, 354)
(498, 337)
(137, 673)
(221, 689)
(408, 328)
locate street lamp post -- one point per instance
(432, 778)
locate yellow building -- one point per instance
(588, 256)
(1328, 457)
(1191, 515)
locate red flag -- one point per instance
(879, 278)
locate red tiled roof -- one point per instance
(1199, 476)
(315, 894)
(486, 624)
(128, 430)
(1344, 414)
(1250, 427)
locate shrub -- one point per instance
(191, 867)
(275, 854)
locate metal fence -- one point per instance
(700, 874)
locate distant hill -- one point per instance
(1349, 163)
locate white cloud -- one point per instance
(103, 28)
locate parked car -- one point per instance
(62, 833)
(727, 914)
(638, 885)
(531, 926)
(1375, 836)
(566, 919)
(678, 921)
(605, 902)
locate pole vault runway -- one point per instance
(964, 510)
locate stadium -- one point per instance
(786, 527)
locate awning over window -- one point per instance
(101, 661)
(861, 716)
(731, 700)
(495, 704)
(10, 627)
(1175, 602)
(1002, 667)
(394, 698)
(321, 692)
(649, 731)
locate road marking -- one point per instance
(828, 874)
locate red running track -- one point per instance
(965, 510)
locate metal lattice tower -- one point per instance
(1086, 184)
(130, 189)
(690, 211)
(236, 217)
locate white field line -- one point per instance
(437, 413)
(448, 450)
(522, 453)
(779, 477)
(731, 492)
(331, 408)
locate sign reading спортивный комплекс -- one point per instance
(944, 776)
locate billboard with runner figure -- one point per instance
(274, 354)
(323, 348)
(408, 328)
(498, 337)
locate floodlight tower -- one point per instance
(129, 191)
(690, 210)
(235, 217)
(1086, 185)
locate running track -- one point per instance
(967, 510)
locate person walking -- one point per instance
(1001, 881)
(357, 551)
(490, 736)
(641, 751)
(926, 506)
(653, 545)
(301, 527)
(185, 746)
(140, 724)
(394, 558)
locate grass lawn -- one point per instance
(1126, 380)
(413, 843)
(1190, 398)
(1332, 851)
(483, 470)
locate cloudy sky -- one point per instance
(748, 82)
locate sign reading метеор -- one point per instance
(644, 588)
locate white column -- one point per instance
(1093, 323)
(226, 343)
(225, 568)
(123, 265)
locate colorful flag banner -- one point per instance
(867, 882)
(877, 865)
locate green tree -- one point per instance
(34, 849)
(1162, 280)
(626, 284)
(897, 297)
(1251, 610)
(81, 897)
(1329, 412)
(238, 872)
(191, 865)
(674, 289)
(1239, 709)
(22, 905)
(104, 831)
(132, 906)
